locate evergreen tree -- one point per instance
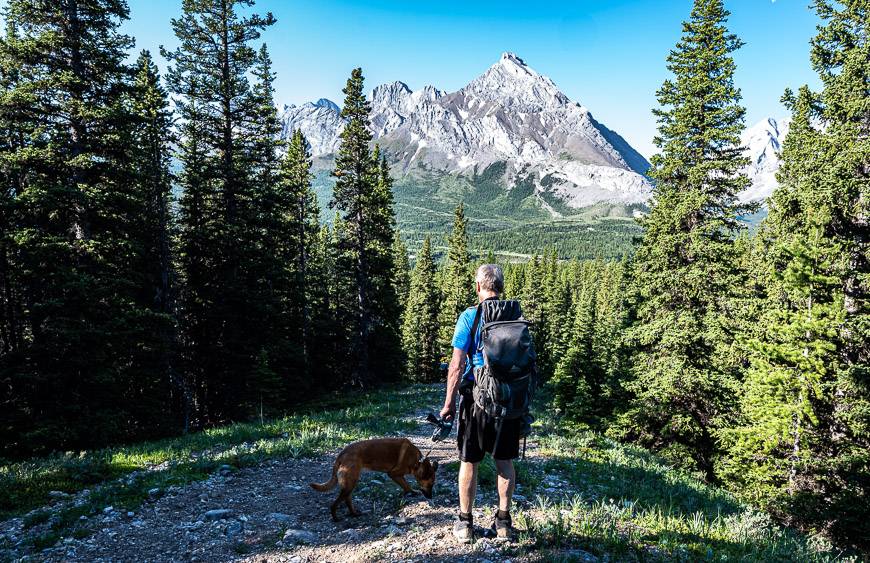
(572, 382)
(151, 158)
(227, 301)
(402, 275)
(801, 445)
(458, 280)
(685, 265)
(420, 327)
(298, 238)
(363, 196)
(78, 248)
(195, 259)
(13, 320)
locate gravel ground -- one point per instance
(269, 513)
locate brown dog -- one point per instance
(396, 457)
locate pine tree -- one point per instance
(151, 158)
(458, 280)
(225, 136)
(801, 445)
(573, 392)
(78, 246)
(402, 275)
(387, 347)
(194, 259)
(363, 196)
(685, 265)
(299, 233)
(13, 321)
(420, 327)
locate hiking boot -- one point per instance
(503, 526)
(463, 531)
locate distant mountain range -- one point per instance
(510, 118)
(516, 150)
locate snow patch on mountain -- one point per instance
(763, 146)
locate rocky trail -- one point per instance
(269, 513)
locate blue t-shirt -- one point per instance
(460, 339)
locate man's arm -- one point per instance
(454, 373)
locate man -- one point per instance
(477, 432)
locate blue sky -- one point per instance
(607, 55)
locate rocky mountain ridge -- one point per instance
(509, 115)
(518, 119)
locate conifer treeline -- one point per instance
(127, 316)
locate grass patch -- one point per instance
(123, 476)
(631, 504)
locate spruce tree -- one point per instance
(13, 406)
(76, 237)
(573, 392)
(209, 75)
(801, 445)
(194, 259)
(458, 279)
(402, 274)
(299, 233)
(685, 265)
(151, 159)
(420, 327)
(363, 197)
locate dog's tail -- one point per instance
(333, 481)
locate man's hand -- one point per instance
(448, 412)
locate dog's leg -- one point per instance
(334, 508)
(348, 482)
(399, 478)
(350, 506)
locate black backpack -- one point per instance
(504, 386)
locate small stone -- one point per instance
(234, 528)
(154, 493)
(83, 518)
(130, 514)
(376, 482)
(299, 536)
(218, 514)
(58, 495)
(108, 509)
(349, 535)
(281, 517)
(393, 530)
(402, 521)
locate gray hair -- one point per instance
(490, 277)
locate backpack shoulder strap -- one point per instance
(473, 334)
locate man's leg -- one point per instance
(506, 480)
(467, 486)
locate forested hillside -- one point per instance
(141, 300)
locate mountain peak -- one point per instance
(325, 103)
(511, 81)
(507, 56)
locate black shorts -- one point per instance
(477, 433)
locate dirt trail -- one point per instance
(269, 513)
